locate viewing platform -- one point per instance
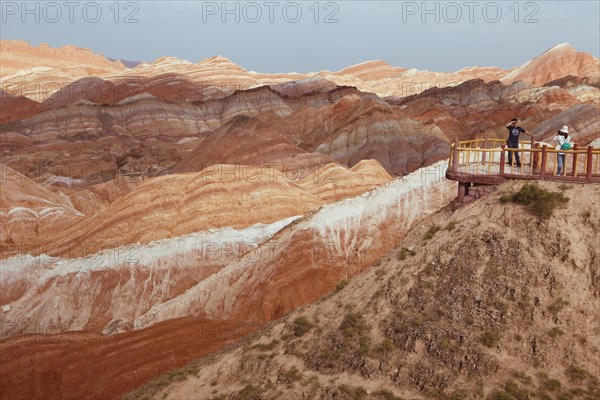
(485, 162)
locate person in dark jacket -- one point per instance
(513, 140)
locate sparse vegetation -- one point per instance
(539, 202)
(433, 229)
(461, 394)
(587, 216)
(522, 377)
(385, 347)
(354, 328)
(293, 375)
(341, 284)
(250, 392)
(385, 395)
(451, 225)
(377, 294)
(549, 384)
(500, 395)
(404, 253)
(557, 306)
(490, 338)
(576, 374)
(301, 326)
(555, 332)
(148, 390)
(356, 393)
(515, 391)
(265, 346)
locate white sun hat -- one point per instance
(564, 129)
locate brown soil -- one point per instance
(83, 365)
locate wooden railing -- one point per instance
(485, 161)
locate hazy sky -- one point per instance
(304, 36)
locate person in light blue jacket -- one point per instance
(564, 143)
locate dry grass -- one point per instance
(539, 202)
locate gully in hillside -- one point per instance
(513, 140)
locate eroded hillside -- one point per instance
(484, 302)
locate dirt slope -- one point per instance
(87, 365)
(496, 304)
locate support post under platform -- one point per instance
(463, 190)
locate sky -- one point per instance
(308, 36)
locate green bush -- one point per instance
(293, 375)
(555, 332)
(353, 324)
(500, 395)
(385, 395)
(356, 393)
(265, 346)
(490, 338)
(301, 326)
(460, 394)
(557, 306)
(576, 374)
(341, 284)
(385, 347)
(250, 392)
(539, 202)
(404, 253)
(433, 229)
(515, 391)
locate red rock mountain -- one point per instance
(149, 197)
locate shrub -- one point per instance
(549, 384)
(404, 253)
(354, 328)
(341, 284)
(555, 332)
(433, 229)
(301, 326)
(557, 306)
(490, 338)
(353, 324)
(386, 395)
(576, 374)
(587, 216)
(265, 346)
(522, 377)
(500, 395)
(460, 394)
(357, 393)
(515, 391)
(293, 375)
(451, 225)
(537, 201)
(250, 392)
(385, 347)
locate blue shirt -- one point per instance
(513, 133)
